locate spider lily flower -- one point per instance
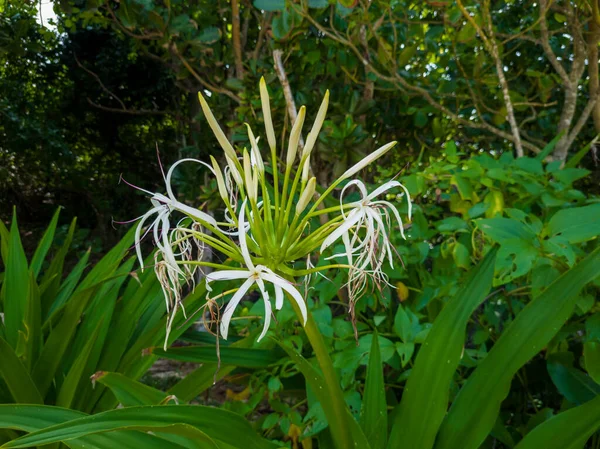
(373, 217)
(162, 208)
(254, 274)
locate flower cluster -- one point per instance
(265, 225)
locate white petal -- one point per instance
(194, 213)
(224, 275)
(386, 240)
(355, 182)
(351, 220)
(391, 207)
(278, 297)
(138, 232)
(232, 304)
(383, 188)
(288, 287)
(265, 296)
(170, 173)
(242, 238)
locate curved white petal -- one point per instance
(170, 173)
(353, 217)
(232, 304)
(278, 297)
(288, 287)
(391, 207)
(267, 317)
(382, 189)
(225, 275)
(194, 213)
(138, 232)
(242, 237)
(355, 182)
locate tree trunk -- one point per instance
(237, 41)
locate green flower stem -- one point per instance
(218, 266)
(336, 422)
(323, 268)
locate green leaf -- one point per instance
(244, 357)
(501, 229)
(547, 150)
(44, 246)
(16, 377)
(476, 407)
(425, 398)
(270, 5)
(591, 352)
(373, 418)
(567, 430)
(30, 418)
(577, 157)
(15, 287)
(130, 392)
(573, 384)
(576, 224)
(218, 424)
(344, 428)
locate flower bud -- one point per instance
(306, 196)
(295, 137)
(250, 189)
(367, 160)
(316, 128)
(255, 156)
(219, 134)
(220, 179)
(266, 107)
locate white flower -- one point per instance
(160, 227)
(254, 274)
(365, 229)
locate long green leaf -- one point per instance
(345, 423)
(130, 392)
(30, 339)
(31, 418)
(42, 249)
(548, 148)
(476, 407)
(16, 377)
(577, 157)
(425, 398)
(68, 286)
(567, 430)
(218, 424)
(373, 418)
(15, 286)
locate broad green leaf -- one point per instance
(567, 430)
(591, 352)
(220, 425)
(15, 287)
(373, 418)
(30, 339)
(476, 407)
(40, 253)
(30, 418)
(130, 392)
(68, 286)
(425, 398)
(502, 229)
(573, 384)
(16, 377)
(244, 357)
(200, 380)
(345, 431)
(576, 224)
(4, 238)
(270, 5)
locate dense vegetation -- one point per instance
(484, 333)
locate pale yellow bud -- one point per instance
(306, 169)
(316, 128)
(266, 107)
(306, 196)
(295, 137)
(367, 160)
(256, 158)
(237, 177)
(248, 176)
(220, 179)
(218, 132)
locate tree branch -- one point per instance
(545, 42)
(235, 36)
